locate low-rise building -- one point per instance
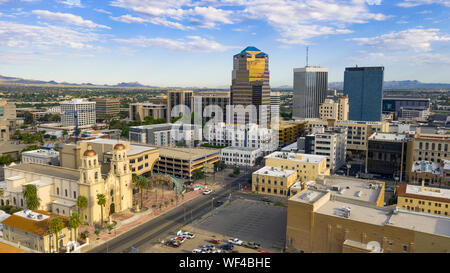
(330, 142)
(424, 199)
(308, 167)
(31, 229)
(140, 110)
(41, 156)
(430, 173)
(273, 181)
(358, 132)
(141, 158)
(289, 132)
(166, 134)
(319, 221)
(430, 147)
(243, 136)
(235, 156)
(388, 154)
(182, 162)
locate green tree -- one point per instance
(81, 203)
(30, 194)
(141, 183)
(75, 223)
(55, 226)
(101, 201)
(198, 174)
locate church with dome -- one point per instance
(59, 188)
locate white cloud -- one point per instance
(103, 11)
(72, 3)
(193, 44)
(418, 40)
(67, 18)
(297, 21)
(373, 2)
(415, 3)
(44, 37)
(127, 18)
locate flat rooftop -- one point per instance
(248, 149)
(426, 167)
(305, 158)
(42, 153)
(39, 183)
(308, 196)
(133, 149)
(394, 137)
(426, 191)
(424, 222)
(187, 153)
(366, 214)
(351, 188)
(61, 172)
(272, 171)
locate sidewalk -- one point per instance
(140, 218)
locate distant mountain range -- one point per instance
(332, 85)
(12, 80)
(399, 85)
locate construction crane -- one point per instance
(75, 116)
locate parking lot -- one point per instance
(248, 220)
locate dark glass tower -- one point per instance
(250, 81)
(364, 87)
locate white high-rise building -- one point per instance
(84, 109)
(310, 90)
(245, 136)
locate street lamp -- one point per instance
(348, 169)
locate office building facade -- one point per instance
(107, 108)
(310, 90)
(364, 88)
(84, 109)
(250, 84)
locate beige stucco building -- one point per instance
(31, 229)
(59, 187)
(334, 109)
(324, 221)
(308, 167)
(142, 158)
(273, 181)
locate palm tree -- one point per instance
(75, 223)
(30, 194)
(55, 226)
(141, 183)
(101, 200)
(81, 203)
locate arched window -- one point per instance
(96, 175)
(21, 202)
(124, 168)
(57, 191)
(111, 192)
(65, 192)
(89, 163)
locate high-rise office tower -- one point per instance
(310, 90)
(364, 88)
(275, 105)
(179, 97)
(107, 107)
(85, 111)
(250, 82)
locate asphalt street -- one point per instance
(168, 222)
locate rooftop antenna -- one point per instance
(307, 53)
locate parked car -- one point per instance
(197, 187)
(205, 192)
(196, 250)
(187, 235)
(253, 245)
(235, 241)
(227, 247)
(219, 203)
(214, 241)
(266, 200)
(180, 239)
(174, 243)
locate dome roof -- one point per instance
(90, 153)
(119, 146)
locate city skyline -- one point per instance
(106, 42)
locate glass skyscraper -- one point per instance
(364, 88)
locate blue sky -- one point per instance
(191, 43)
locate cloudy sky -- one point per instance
(191, 43)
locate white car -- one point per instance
(207, 192)
(235, 241)
(185, 234)
(196, 251)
